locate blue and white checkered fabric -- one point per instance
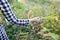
(9, 15)
(3, 35)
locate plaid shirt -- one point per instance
(9, 15)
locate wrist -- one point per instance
(30, 20)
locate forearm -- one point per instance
(9, 15)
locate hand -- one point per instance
(36, 19)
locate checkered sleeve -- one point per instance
(9, 15)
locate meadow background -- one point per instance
(47, 10)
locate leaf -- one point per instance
(53, 35)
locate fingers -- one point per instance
(36, 19)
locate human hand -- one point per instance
(36, 19)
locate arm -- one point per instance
(9, 15)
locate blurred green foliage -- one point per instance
(47, 10)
